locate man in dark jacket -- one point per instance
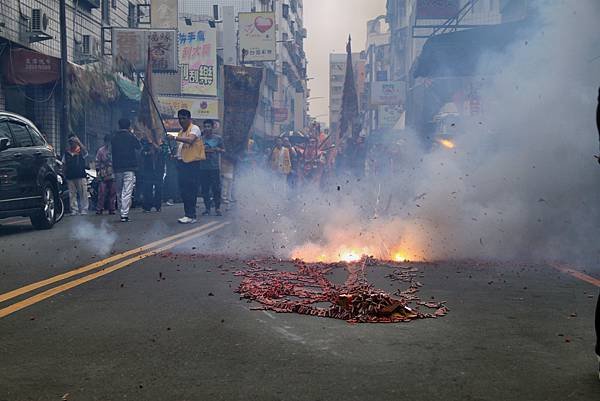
(153, 167)
(74, 161)
(124, 147)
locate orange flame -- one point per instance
(447, 143)
(332, 254)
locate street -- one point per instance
(155, 320)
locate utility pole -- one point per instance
(64, 109)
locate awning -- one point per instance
(459, 54)
(28, 67)
(129, 89)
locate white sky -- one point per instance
(328, 23)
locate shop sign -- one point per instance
(201, 108)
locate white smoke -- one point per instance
(524, 184)
(98, 238)
(521, 184)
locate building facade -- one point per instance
(414, 24)
(34, 25)
(337, 75)
(283, 102)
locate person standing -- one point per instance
(106, 176)
(292, 178)
(171, 181)
(190, 153)
(281, 164)
(153, 166)
(227, 178)
(74, 161)
(210, 174)
(124, 146)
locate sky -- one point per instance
(328, 23)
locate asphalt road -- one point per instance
(147, 327)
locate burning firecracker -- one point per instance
(355, 301)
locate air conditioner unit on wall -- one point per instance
(38, 26)
(39, 20)
(88, 49)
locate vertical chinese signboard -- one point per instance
(162, 45)
(198, 59)
(131, 46)
(257, 36)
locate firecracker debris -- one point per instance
(305, 290)
(356, 301)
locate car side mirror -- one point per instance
(4, 143)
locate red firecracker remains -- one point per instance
(356, 301)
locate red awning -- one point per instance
(28, 67)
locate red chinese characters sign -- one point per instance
(28, 67)
(280, 114)
(198, 59)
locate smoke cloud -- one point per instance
(99, 239)
(521, 183)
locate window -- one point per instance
(114, 4)
(285, 11)
(131, 16)
(38, 139)
(21, 134)
(5, 133)
(106, 12)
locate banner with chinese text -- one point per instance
(198, 59)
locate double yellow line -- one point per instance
(139, 253)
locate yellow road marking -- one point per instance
(82, 280)
(95, 265)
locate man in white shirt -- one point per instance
(188, 171)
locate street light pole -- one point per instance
(64, 110)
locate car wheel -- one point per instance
(46, 217)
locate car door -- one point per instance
(9, 167)
(43, 157)
(26, 174)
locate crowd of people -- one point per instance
(127, 162)
(133, 170)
